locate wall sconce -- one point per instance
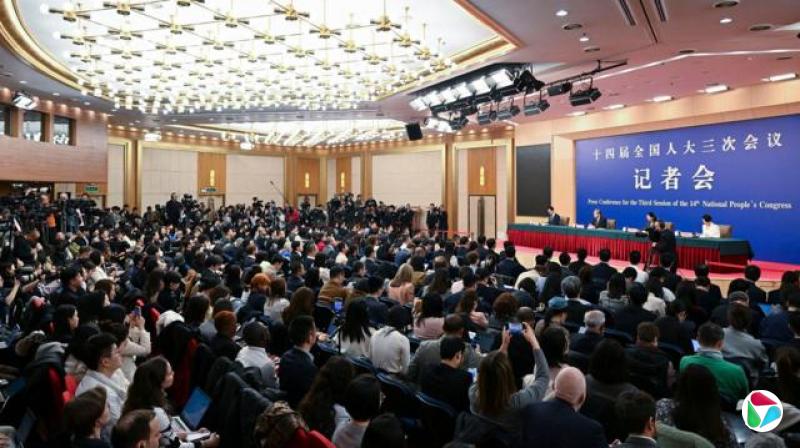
(482, 177)
(307, 180)
(341, 180)
(212, 178)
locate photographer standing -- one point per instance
(26, 247)
(173, 209)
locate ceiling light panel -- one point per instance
(238, 54)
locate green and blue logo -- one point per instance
(762, 411)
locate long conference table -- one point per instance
(691, 251)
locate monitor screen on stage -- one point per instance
(743, 173)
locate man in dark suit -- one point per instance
(636, 414)
(602, 272)
(595, 322)
(297, 369)
(629, 318)
(553, 218)
(647, 362)
(509, 266)
(667, 245)
(576, 265)
(671, 279)
(173, 209)
(711, 295)
(557, 423)
(598, 220)
(295, 281)
(447, 381)
(757, 295)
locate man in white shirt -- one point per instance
(256, 336)
(710, 230)
(104, 362)
(635, 257)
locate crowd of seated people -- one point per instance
(246, 327)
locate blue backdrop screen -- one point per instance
(744, 173)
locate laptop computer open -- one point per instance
(192, 415)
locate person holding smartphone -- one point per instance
(495, 395)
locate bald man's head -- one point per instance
(570, 386)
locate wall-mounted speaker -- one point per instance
(414, 131)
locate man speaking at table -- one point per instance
(598, 220)
(553, 219)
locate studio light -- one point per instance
(433, 99)
(418, 104)
(527, 83)
(536, 107)
(483, 118)
(458, 123)
(584, 97)
(23, 100)
(463, 91)
(502, 79)
(481, 86)
(508, 112)
(559, 89)
(448, 95)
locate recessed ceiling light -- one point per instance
(782, 77)
(577, 113)
(661, 98)
(584, 38)
(725, 20)
(23, 82)
(561, 13)
(86, 103)
(614, 107)
(56, 94)
(761, 27)
(716, 88)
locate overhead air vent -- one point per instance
(661, 9)
(726, 3)
(761, 27)
(627, 14)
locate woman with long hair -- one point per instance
(65, 321)
(468, 308)
(233, 280)
(495, 395)
(276, 301)
(302, 302)
(148, 391)
(696, 407)
(322, 407)
(154, 285)
(430, 320)
(440, 283)
(401, 288)
(85, 416)
(355, 333)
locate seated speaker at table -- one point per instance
(710, 230)
(553, 218)
(598, 220)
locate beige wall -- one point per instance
(413, 177)
(250, 176)
(164, 171)
(764, 100)
(116, 176)
(355, 175)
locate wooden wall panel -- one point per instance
(24, 160)
(482, 171)
(344, 175)
(307, 176)
(211, 167)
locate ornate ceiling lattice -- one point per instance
(178, 56)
